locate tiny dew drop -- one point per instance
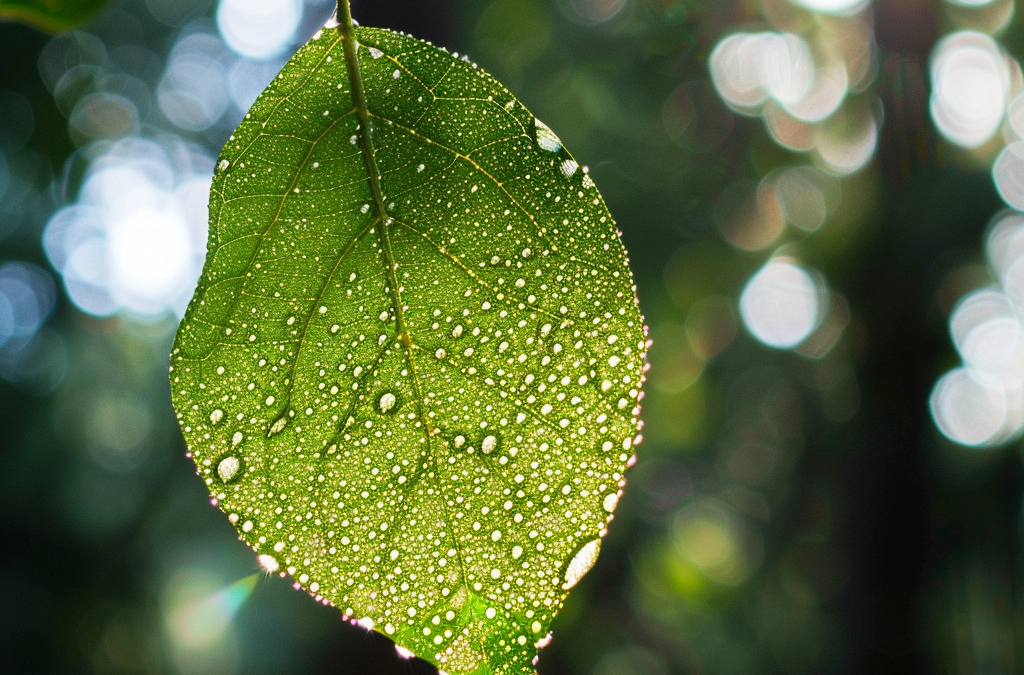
(387, 401)
(237, 438)
(229, 468)
(440, 354)
(216, 416)
(489, 444)
(268, 562)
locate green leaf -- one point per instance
(411, 371)
(51, 15)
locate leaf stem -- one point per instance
(351, 46)
(348, 33)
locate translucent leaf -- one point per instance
(51, 15)
(411, 371)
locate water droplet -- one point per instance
(527, 253)
(460, 441)
(216, 416)
(457, 331)
(610, 502)
(490, 613)
(489, 444)
(420, 168)
(229, 468)
(440, 354)
(223, 164)
(237, 438)
(569, 167)
(278, 426)
(268, 562)
(376, 53)
(581, 563)
(270, 400)
(516, 552)
(546, 138)
(387, 401)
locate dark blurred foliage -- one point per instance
(794, 509)
(51, 15)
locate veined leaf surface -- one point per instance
(411, 370)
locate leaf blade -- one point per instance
(431, 388)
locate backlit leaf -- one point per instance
(411, 375)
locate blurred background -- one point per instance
(824, 205)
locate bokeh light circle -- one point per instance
(970, 83)
(1008, 174)
(135, 240)
(972, 408)
(259, 29)
(780, 304)
(841, 7)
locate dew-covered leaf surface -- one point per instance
(51, 15)
(412, 379)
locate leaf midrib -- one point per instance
(351, 49)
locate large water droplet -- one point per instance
(229, 468)
(546, 138)
(581, 563)
(489, 444)
(216, 416)
(387, 401)
(278, 426)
